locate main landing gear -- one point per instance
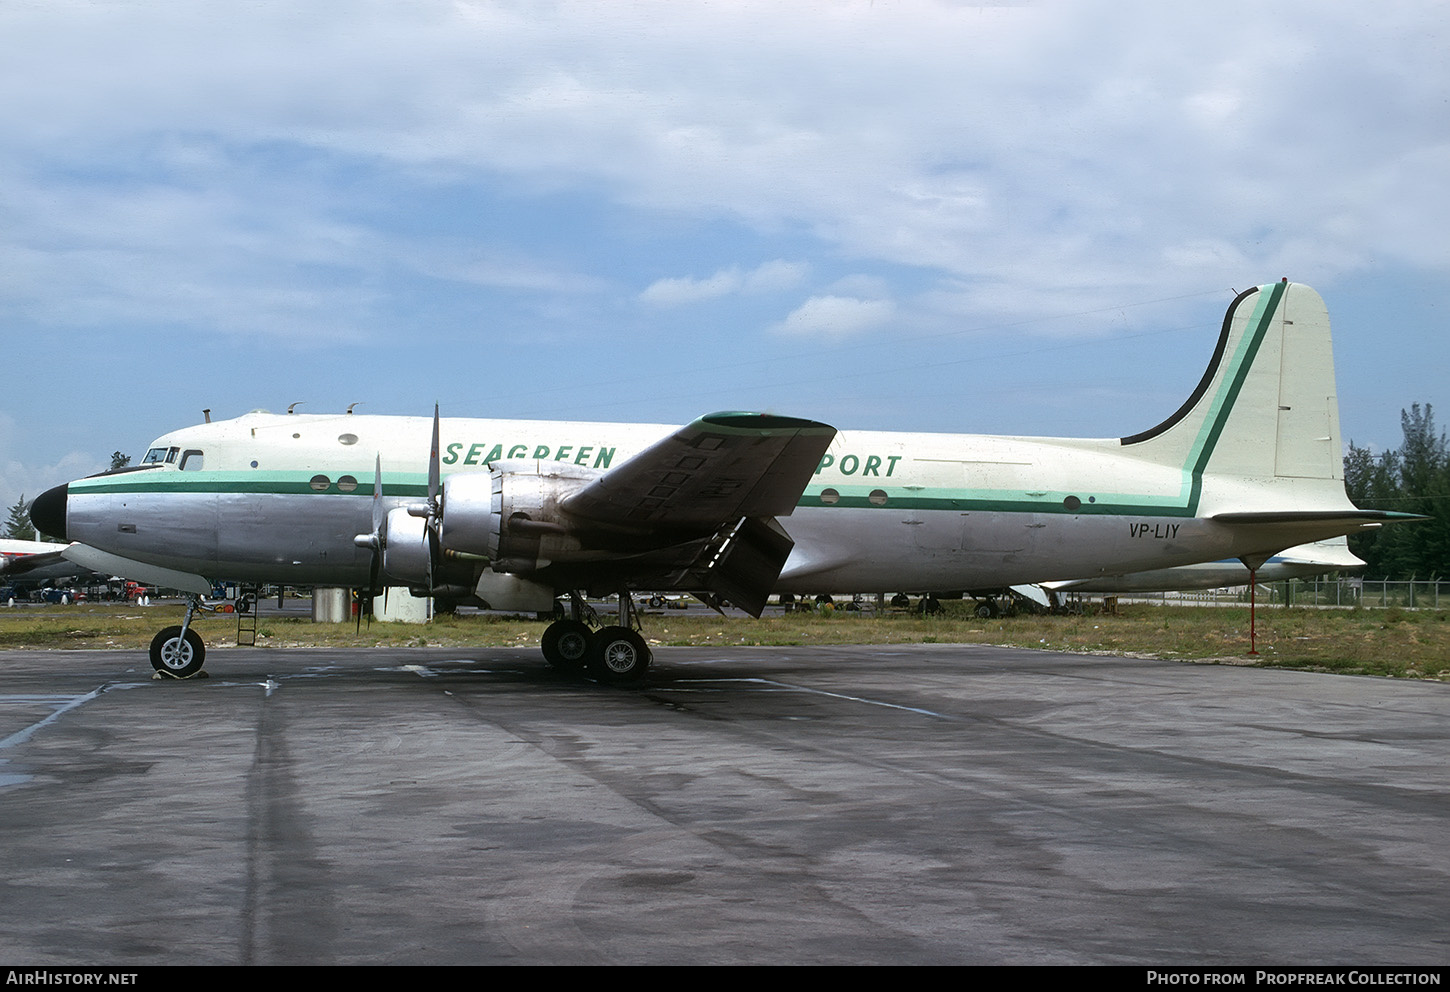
(616, 654)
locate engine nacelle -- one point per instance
(512, 514)
(406, 550)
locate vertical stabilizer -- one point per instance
(1266, 406)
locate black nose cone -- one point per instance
(48, 512)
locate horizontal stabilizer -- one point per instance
(1276, 530)
(1349, 518)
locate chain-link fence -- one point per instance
(1427, 594)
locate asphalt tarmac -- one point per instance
(933, 804)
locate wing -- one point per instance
(40, 567)
(704, 499)
(720, 468)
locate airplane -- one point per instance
(11, 551)
(535, 515)
(35, 562)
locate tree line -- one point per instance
(1413, 478)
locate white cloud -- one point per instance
(238, 170)
(686, 289)
(836, 317)
(965, 138)
(769, 277)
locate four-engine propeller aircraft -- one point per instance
(730, 507)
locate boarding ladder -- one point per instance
(247, 617)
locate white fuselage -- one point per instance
(280, 498)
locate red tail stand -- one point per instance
(1253, 597)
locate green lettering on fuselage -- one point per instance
(864, 464)
(578, 454)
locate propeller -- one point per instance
(431, 512)
(373, 541)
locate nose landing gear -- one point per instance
(178, 652)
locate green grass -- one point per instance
(1387, 642)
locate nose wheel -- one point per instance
(177, 652)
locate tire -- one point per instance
(985, 611)
(619, 656)
(566, 645)
(178, 657)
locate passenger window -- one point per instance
(191, 461)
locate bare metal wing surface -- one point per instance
(719, 468)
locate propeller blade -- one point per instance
(375, 541)
(434, 472)
(378, 497)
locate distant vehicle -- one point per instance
(131, 591)
(64, 596)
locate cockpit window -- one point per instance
(191, 461)
(156, 456)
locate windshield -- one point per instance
(157, 456)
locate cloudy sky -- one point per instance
(943, 216)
